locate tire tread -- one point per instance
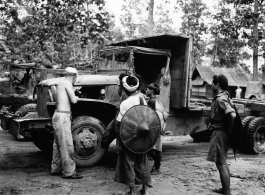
(78, 122)
(250, 131)
(245, 124)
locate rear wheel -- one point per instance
(255, 136)
(87, 135)
(242, 139)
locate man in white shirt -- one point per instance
(238, 92)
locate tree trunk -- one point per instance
(150, 24)
(256, 44)
(214, 54)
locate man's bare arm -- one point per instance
(70, 91)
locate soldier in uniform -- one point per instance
(63, 147)
(132, 169)
(221, 118)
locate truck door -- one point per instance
(165, 86)
(180, 71)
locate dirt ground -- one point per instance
(25, 170)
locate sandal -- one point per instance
(155, 172)
(219, 191)
(75, 176)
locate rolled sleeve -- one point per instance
(119, 117)
(225, 106)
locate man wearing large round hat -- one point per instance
(138, 127)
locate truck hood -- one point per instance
(85, 80)
(5, 79)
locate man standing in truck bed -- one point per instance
(221, 118)
(63, 147)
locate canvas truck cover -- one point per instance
(22, 66)
(121, 58)
(256, 89)
(142, 50)
(253, 87)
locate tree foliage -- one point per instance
(136, 18)
(51, 29)
(217, 34)
(228, 48)
(193, 24)
(251, 18)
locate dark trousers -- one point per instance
(132, 169)
(156, 156)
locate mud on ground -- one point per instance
(25, 170)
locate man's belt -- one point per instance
(62, 111)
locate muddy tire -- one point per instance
(43, 140)
(255, 134)
(242, 138)
(25, 109)
(87, 135)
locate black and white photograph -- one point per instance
(132, 97)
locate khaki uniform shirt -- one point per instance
(219, 108)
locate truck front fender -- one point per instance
(99, 109)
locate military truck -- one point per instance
(16, 89)
(90, 116)
(163, 59)
(166, 60)
(17, 97)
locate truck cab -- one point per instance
(90, 116)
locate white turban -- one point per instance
(70, 71)
(127, 87)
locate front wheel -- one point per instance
(87, 135)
